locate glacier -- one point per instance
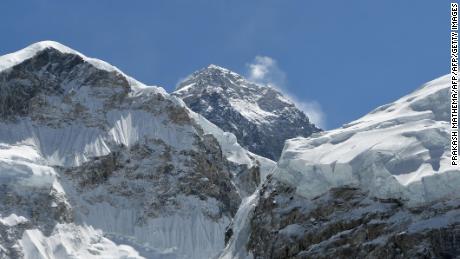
(399, 150)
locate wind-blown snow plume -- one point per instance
(264, 70)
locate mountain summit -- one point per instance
(260, 117)
(94, 164)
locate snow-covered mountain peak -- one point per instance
(86, 148)
(19, 56)
(47, 78)
(218, 68)
(261, 117)
(10, 60)
(15, 58)
(211, 75)
(217, 80)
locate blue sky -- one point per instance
(339, 59)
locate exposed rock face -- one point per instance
(85, 149)
(201, 173)
(346, 223)
(39, 208)
(260, 117)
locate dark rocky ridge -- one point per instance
(346, 223)
(213, 92)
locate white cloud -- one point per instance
(264, 70)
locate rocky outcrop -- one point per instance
(346, 223)
(39, 208)
(167, 174)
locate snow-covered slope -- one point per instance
(379, 187)
(95, 164)
(398, 150)
(260, 117)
